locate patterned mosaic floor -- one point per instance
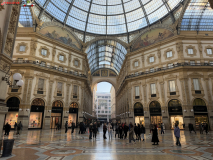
(56, 145)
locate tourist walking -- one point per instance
(19, 127)
(66, 127)
(15, 126)
(90, 130)
(150, 128)
(104, 130)
(191, 128)
(162, 130)
(95, 129)
(177, 134)
(73, 126)
(126, 128)
(138, 134)
(143, 131)
(131, 133)
(7, 129)
(120, 131)
(110, 130)
(117, 131)
(206, 127)
(155, 135)
(201, 128)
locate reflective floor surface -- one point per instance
(56, 145)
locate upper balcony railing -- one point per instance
(163, 69)
(49, 67)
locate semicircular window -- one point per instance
(106, 54)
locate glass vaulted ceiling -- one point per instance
(108, 16)
(106, 54)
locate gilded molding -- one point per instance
(79, 62)
(194, 50)
(48, 51)
(62, 54)
(168, 50)
(18, 47)
(208, 47)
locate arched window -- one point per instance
(199, 102)
(38, 102)
(57, 104)
(174, 107)
(154, 104)
(73, 105)
(138, 105)
(13, 104)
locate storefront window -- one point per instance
(139, 120)
(11, 118)
(72, 118)
(55, 119)
(35, 120)
(156, 120)
(178, 120)
(201, 119)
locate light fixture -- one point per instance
(20, 109)
(49, 111)
(16, 77)
(163, 111)
(192, 110)
(184, 110)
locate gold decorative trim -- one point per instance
(194, 50)
(79, 62)
(48, 51)
(133, 64)
(18, 47)
(151, 55)
(168, 50)
(208, 47)
(62, 54)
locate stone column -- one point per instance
(48, 107)
(164, 108)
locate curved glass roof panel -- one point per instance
(106, 54)
(198, 16)
(108, 16)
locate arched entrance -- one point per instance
(73, 114)
(36, 114)
(175, 113)
(200, 112)
(13, 108)
(155, 113)
(139, 113)
(56, 114)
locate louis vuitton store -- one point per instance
(73, 114)
(56, 114)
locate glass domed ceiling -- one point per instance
(108, 16)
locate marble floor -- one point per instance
(56, 145)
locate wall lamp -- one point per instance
(163, 111)
(27, 109)
(20, 109)
(17, 78)
(185, 110)
(192, 110)
(49, 111)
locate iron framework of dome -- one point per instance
(108, 17)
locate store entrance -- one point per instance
(56, 115)
(139, 113)
(175, 113)
(36, 114)
(13, 108)
(73, 114)
(55, 120)
(200, 112)
(155, 113)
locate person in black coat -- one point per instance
(155, 135)
(120, 131)
(7, 129)
(95, 129)
(66, 127)
(104, 130)
(73, 126)
(117, 131)
(126, 129)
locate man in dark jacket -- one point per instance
(90, 131)
(120, 131)
(104, 130)
(66, 127)
(73, 126)
(95, 129)
(7, 129)
(126, 128)
(142, 131)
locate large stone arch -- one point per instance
(104, 79)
